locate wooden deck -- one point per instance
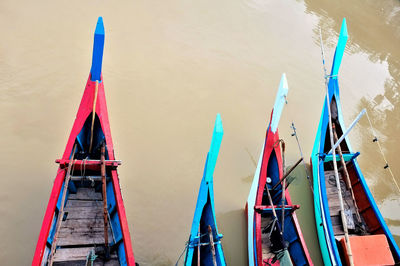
(334, 203)
(82, 230)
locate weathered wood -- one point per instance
(212, 247)
(77, 256)
(84, 203)
(81, 238)
(265, 241)
(104, 188)
(85, 194)
(89, 223)
(84, 213)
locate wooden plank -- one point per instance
(86, 194)
(84, 203)
(76, 256)
(76, 223)
(84, 213)
(82, 238)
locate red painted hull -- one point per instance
(272, 144)
(85, 109)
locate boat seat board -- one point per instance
(85, 194)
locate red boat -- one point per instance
(274, 234)
(85, 220)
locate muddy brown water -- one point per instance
(169, 67)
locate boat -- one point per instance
(272, 240)
(349, 224)
(204, 245)
(85, 220)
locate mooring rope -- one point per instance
(375, 139)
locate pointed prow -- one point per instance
(280, 101)
(337, 59)
(214, 148)
(98, 47)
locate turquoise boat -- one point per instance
(366, 226)
(204, 245)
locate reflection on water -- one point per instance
(169, 67)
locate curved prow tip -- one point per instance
(280, 101)
(98, 47)
(337, 59)
(214, 148)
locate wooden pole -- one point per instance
(93, 115)
(328, 106)
(105, 212)
(346, 173)
(287, 173)
(283, 186)
(212, 245)
(61, 210)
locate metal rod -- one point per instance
(347, 131)
(287, 174)
(105, 211)
(93, 115)
(328, 106)
(61, 210)
(210, 233)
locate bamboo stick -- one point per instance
(212, 245)
(105, 211)
(328, 106)
(287, 173)
(61, 210)
(346, 173)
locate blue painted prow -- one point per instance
(280, 101)
(337, 59)
(98, 47)
(214, 149)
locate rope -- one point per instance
(381, 151)
(91, 257)
(190, 244)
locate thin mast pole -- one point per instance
(328, 106)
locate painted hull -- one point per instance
(204, 215)
(270, 164)
(82, 228)
(365, 201)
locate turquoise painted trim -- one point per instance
(347, 157)
(280, 101)
(337, 59)
(206, 198)
(214, 148)
(251, 201)
(98, 47)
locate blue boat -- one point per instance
(366, 226)
(204, 245)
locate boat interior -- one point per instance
(80, 236)
(360, 217)
(207, 224)
(272, 242)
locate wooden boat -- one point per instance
(364, 220)
(204, 246)
(85, 218)
(266, 244)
